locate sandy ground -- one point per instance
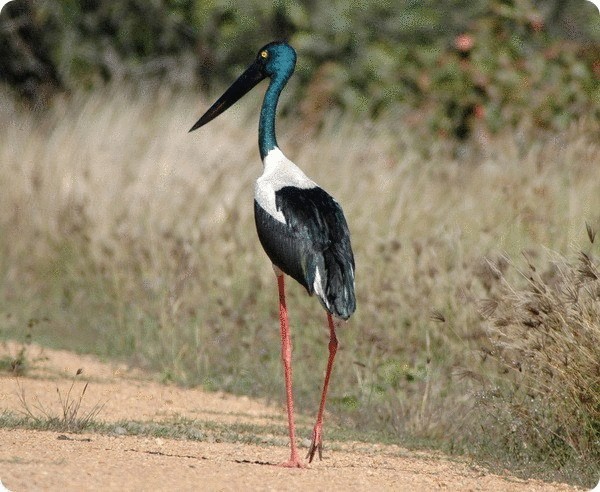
(43, 460)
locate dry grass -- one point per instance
(71, 417)
(136, 239)
(545, 334)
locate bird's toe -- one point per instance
(315, 445)
(295, 463)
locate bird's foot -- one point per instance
(316, 444)
(293, 463)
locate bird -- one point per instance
(300, 226)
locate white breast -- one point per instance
(279, 172)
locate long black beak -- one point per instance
(252, 76)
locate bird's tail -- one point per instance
(339, 289)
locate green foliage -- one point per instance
(454, 67)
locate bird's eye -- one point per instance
(264, 54)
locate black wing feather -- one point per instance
(315, 236)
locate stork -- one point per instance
(300, 226)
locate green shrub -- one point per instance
(520, 60)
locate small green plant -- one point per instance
(19, 363)
(15, 364)
(70, 418)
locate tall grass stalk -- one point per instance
(544, 332)
(135, 239)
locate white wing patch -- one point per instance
(278, 173)
(318, 287)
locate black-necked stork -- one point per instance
(300, 226)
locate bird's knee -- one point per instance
(333, 344)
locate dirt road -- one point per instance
(214, 460)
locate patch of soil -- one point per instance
(44, 460)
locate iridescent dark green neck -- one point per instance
(266, 125)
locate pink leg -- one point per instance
(317, 439)
(286, 356)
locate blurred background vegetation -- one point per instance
(122, 235)
(451, 67)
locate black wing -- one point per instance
(315, 238)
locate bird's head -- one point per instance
(275, 60)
